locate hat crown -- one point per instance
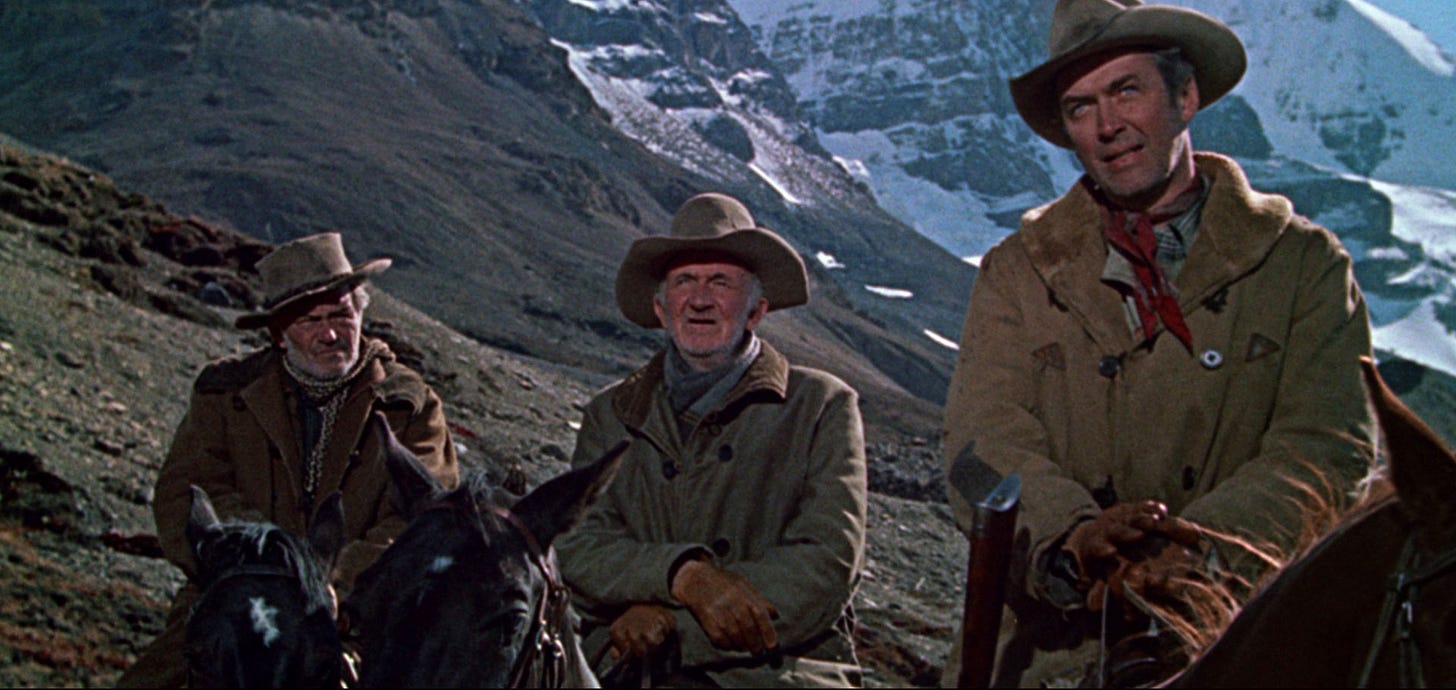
(1077, 22)
(302, 263)
(709, 216)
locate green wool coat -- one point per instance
(772, 484)
(1052, 384)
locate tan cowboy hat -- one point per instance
(1081, 28)
(713, 225)
(303, 268)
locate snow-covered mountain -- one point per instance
(1345, 108)
(903, 103)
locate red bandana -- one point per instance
(1132, 235)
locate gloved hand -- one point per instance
(641, 629)
(1161, 575)
(1106, 550)
(733, 614)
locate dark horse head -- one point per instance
(1372, 603)
(266, 615)
(468, 594)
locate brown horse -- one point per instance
(1371, 603)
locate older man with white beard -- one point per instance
(272, 433)
(727, 549)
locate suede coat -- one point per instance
(1051, 383)
(772, 484)
(240, 441)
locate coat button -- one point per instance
(721, 547)
(1109, 366)
(725, 453)
(1211, 359)
(669, 469)
(238, 404)
(1190, 478)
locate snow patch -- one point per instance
(892, 293)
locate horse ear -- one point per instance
(326, 533)
(1420, 464)
(556, 505)
(200, 518)
(411, 481)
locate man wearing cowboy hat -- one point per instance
(727, 549)
(1161, 352)
(270, 434)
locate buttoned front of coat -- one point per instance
(1051, 383)
(240, 442)
(772, 484)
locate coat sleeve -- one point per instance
(198, 455)
(1321, 432)
(991, 428)
(425, 433)
(812, 574)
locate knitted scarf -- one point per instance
(327, 396)
(698, 392)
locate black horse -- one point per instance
(468, 595)
(266, 617)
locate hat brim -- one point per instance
(779, 269)
(1217, 54)
(360, 274)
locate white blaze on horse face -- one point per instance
(441, 564)
(264, 620)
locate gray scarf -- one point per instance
(698, 392)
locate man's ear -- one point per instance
(1189, 100)
(756, 316)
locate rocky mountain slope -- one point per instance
(107, 311)
(453, 136)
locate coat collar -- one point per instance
(1238, 228)
(271, 400)
(633, 399)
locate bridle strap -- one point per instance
(1399, 612)
(542, 663)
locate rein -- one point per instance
(1401, 596)
(542, 663)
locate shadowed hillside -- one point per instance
(452, 136)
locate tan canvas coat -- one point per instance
(772, 484)
(1052, 384)
(240, 441)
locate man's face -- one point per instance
(1128, 131)
(706, 307)
(324, 341)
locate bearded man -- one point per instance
(727, 549)
(270, 434)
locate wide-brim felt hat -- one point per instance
(304, 268)
(1085, 28)
(710, 226)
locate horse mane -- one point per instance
(1213, 598)
(248, 544)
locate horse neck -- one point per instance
(1312, 623)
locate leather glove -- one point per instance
(641, 630)
(1106, 548)
(1163, 575)
(733, 614)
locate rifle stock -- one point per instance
(992, 527)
